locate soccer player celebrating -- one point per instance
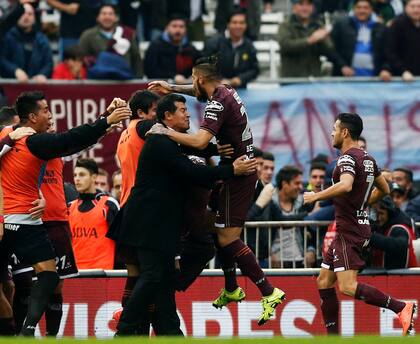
(225, 117)
(22, 171)
(355, 174)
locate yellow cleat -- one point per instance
(226, 297)
(269, 304)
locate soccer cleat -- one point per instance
(406, 317)
(117, 314)
(225, 297)
(269, 304)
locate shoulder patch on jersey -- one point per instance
(214, 105)
(346, 159)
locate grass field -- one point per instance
(317, 340)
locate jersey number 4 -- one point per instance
(246, 134)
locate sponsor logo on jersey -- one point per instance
(347, 169)
(368, 165)
(363, 222)
(11, 227)
(237, 98)
(211, 115)
(196, 160)
(346, 159)
(214, 106)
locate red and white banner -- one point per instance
(90, 302)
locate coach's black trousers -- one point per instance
(154, 286)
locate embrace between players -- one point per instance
(163, 217)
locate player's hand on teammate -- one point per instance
(265, 196)
(244, 166)
(39, 207)
(225, 151)
(160, 87)
(118, 115)
(309, 197)
(116, 103)
(21, 132)
(158, 129)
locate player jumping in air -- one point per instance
(354, 176)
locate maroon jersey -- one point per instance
(350, 209)
(225, 117)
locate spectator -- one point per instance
(413, 208)
(193, 10)
(388, 9)
(403, 176)
(267, 168)
(253, 15)
(237, 56)
(101, 181)
(171, 56)
(399, 195)
(8, 116)
(90, 216)
(8, 20)
(76, 16)
(72, 67)
(392, 241)
(362, 143)
(116, 185)
(26, 52)
(114, 47)
(359, 40)
(316, 177)
(303, 41)
(404, 47)
(258, 155)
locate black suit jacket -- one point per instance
(153, 215)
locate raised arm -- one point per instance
(166, 88)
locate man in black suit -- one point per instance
(153, 216)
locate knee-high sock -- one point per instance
(40, 293)
(227, 262)
(53, 314)
(330, 308)
(130, 282)
(248, 264)
(23, 286)
(375, 297)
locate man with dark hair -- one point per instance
(237, 55)
(90, 217)
(392, 241)
(316, 177)
(359, 41)
(403, 176)
(160, 189)
(354, 176)
(362, 142)
(8, 116)
(72, 67)
(171, 56)
(102, 180)
(22, 169)
(225, 118)
(115, 47)
(267, 170)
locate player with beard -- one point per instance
(354, 176)
(225, 118)
(22, 170)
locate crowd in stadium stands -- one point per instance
(100, 39)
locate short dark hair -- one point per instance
(142, 100)
(407, 171)
(352, 122)
(115, 8)
(103, 172)
(88, 164)
(355, 2)
(258, 153)
(286, 174)
(318, 166)
(116, 173)
(27, 102)
(72, 52)
(6, 115)
(268, 156)
(362, 138)
(167, 103)
(208, 67)
(237, 11)
(177, 16)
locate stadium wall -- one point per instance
(294, 121)
(90, 301)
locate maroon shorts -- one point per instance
(59, 234)
(344, 254)
(235, 199)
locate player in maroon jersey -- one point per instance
(225, 118)
(355, 175)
